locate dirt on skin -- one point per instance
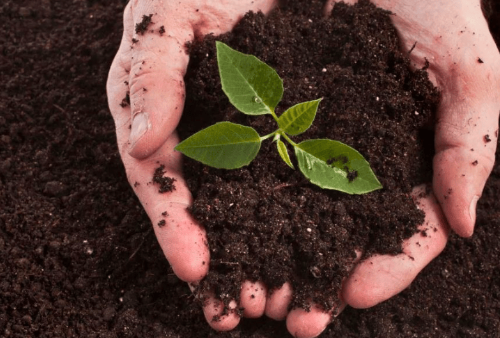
(77, 254)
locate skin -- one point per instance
(450, 35)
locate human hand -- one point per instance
(462, 57)
(464, 63)
(146, 97)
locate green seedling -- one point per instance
(254, 88)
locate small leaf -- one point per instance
(334, 165)
(284, 153)
(298, 119)
(224, 145)
(252, 87)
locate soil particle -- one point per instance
(126, 100)
(161, 30)
(5, 167)
(142, 26)
(108, 313)
(475, 163)
(24, 11)
(161, 223)
(448, 193)
(342, 158)
(55, 189)
(352, 175)
(479, 60)
(487, 138)
(166, 183)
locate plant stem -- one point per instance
(287, 138)
(273, 114)
(265, 137)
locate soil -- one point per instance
(267, 222)
(77, 254)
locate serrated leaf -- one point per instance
(333, 165)
(224, 145)
(252, 87)
(298, 119)
(283, 151)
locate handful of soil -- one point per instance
(267, 222)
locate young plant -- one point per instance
(254, 88)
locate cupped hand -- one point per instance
(146, 97)
(451, 39)
(464, 63)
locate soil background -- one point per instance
(77, 254)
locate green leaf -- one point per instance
(224, 145)
(298, 119)
(284, 153)
(252, 87)
(328, 163)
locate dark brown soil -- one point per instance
(77, 254)
(166, 184)
(267, 222)
(142, 26)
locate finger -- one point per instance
(158, 63)
(309, 324)
(382, 276)
(182, 240)
(466, 141)
(467, 125)
(221, 17)
(117, 86)
(278, 301)
(463, 163)
(220, 318)
(160, 60)
(253, 299)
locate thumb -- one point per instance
(159, 62)
(465, 142)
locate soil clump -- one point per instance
(267, 222)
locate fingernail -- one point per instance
(140, 125)
(472, 208)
